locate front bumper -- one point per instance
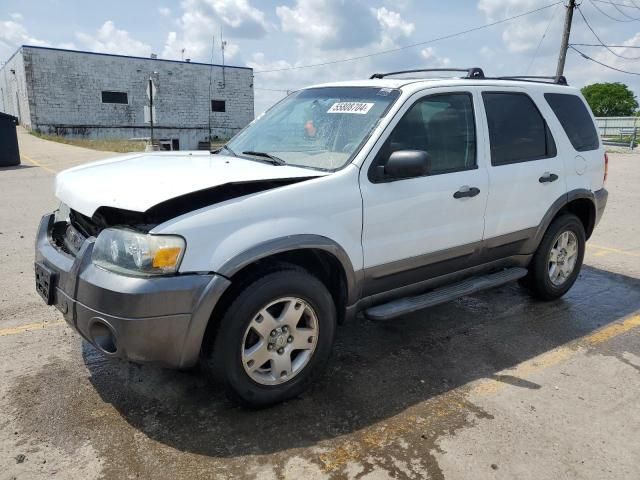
(154, 319)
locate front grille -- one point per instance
(85, 225)
(57, 235)
(67, 238)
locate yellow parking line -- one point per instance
(28, 327)
(557, 355)
(611, 331)
(605, 250)
(381, 435)
(36, 163)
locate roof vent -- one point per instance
(154, 56)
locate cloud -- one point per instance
(487, 52)
(16, 16)
(330, 24)
(393, 23)
(201, 20)
(108, 39)
(433, 59)
(330, 30)
(391, 30)
(14, 34)
(164, 11)
(239, 17)
(523, 34)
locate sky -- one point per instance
(277, 37)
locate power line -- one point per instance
(392, 50)
(606, 14)
(624, 13)
(600, 45)
(544, 34)
(615, 4)
(601, 42)
(600, 63)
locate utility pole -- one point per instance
(562, 56)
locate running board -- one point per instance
(407, 305)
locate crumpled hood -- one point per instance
(139, 181)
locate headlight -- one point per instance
(134, 253)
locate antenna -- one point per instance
(213, 44)
(223, 44)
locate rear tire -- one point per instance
(274, 339)
(556, 264)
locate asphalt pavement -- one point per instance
(494, 385)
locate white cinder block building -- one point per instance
(94, 95)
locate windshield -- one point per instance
(317, 127)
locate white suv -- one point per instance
(383, 196)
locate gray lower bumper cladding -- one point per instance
(155, 319)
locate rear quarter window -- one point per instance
(575, 120)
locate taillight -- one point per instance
(606, 168)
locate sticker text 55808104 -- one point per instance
(360, 108)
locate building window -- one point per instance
(115, 97)
(218, 106)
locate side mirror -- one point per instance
(408, 164)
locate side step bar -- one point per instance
(407, 305)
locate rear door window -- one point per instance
(517, 130)
(575, 120)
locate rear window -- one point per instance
(517, 130)
(575, 120)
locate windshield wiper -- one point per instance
(275, 160)
(224, 147)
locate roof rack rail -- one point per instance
(473, 72)
(557, 79)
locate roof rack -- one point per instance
(473, 72)
(477, 73)
(557, 79)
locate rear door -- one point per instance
(526, 172)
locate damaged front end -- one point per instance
(108, 217)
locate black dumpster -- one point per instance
(9, 153)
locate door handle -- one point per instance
(466, 192)
(548, 177)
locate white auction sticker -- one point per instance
(360, 108)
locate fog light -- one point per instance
(103, 336)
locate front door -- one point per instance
(416, 228)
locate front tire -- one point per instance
(274, 339)
(556, 264)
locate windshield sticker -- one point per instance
(360, 108)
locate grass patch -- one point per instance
(106, 145)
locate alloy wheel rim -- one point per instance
(563, 257)
(280, 341)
